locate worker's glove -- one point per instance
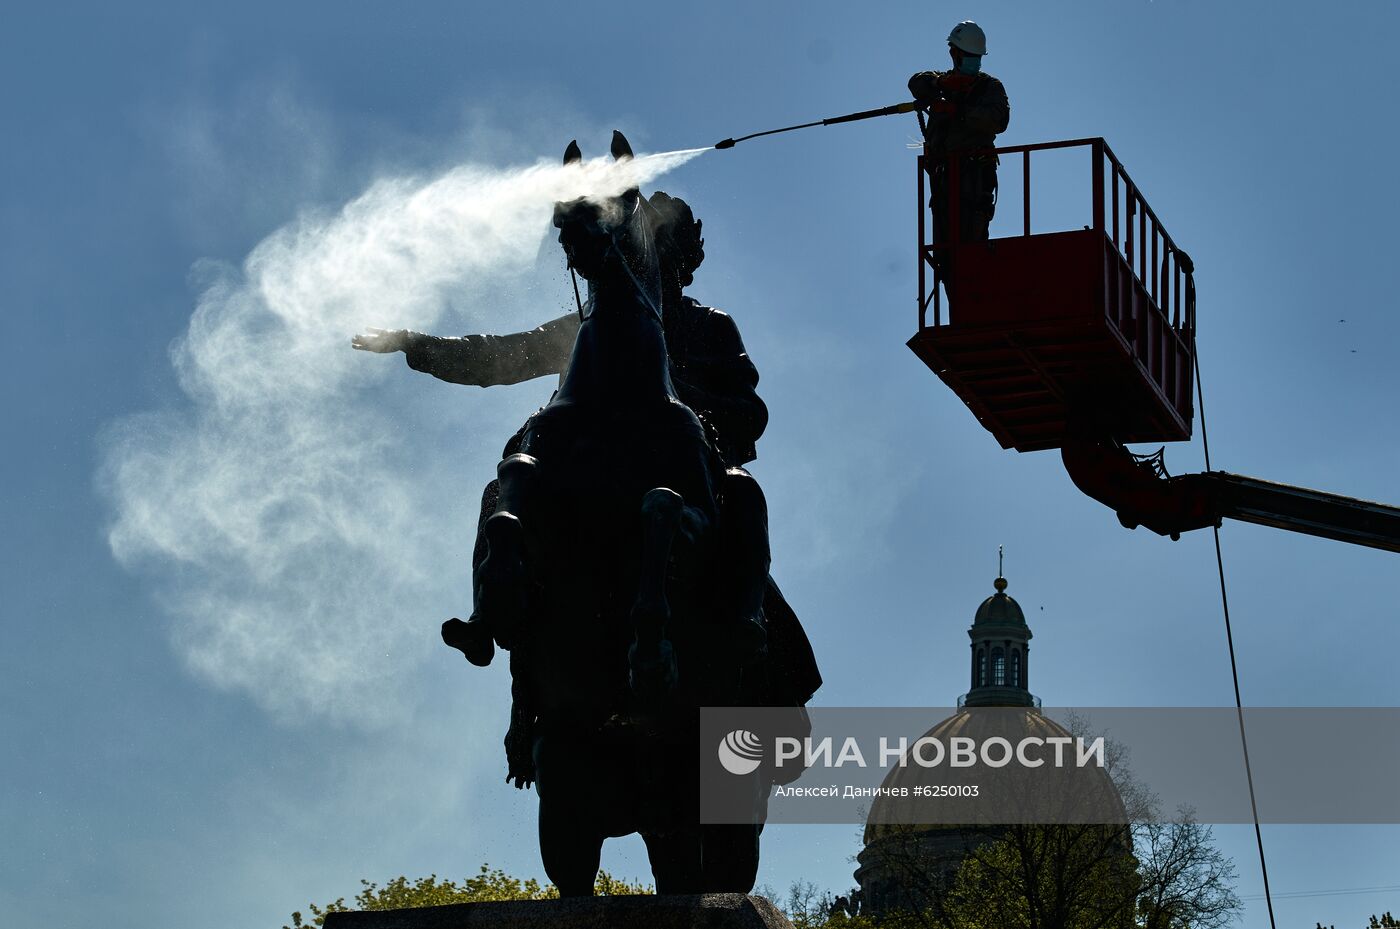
(947, 107)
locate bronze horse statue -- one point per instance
(600, 578)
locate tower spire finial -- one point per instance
(1001, 571)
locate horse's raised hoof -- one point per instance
(472, 638)
(652, 672)
(500, 581)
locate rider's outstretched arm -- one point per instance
(483, 360)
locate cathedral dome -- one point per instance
(926, 820)
(1047, 793)
(905, 862)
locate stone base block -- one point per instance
(700, 911)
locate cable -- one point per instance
(1341, 892)
(1234, 667)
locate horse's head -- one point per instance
(610, 240)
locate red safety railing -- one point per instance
(1118, 210)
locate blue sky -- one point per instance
(181, 747)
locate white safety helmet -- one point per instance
(969, 37)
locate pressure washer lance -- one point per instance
(907, 107)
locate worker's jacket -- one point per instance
(982, 113)
(711, 370)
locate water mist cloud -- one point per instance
(282, 512)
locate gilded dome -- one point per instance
(1044, 794)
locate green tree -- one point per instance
(1384, 921)
(805, 906)
(491, 884)
(1186, 882)
(1144, 873)
(1046, 877)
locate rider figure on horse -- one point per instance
(715, 377)
(636, 457)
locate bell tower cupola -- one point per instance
(1000, 649)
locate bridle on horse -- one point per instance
(622, 259)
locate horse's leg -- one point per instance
(745, 559)
(569, 780)
(675, 861)
(651, 658)
(499, 584)
(669, 784)
(729, 857)
(571, 850)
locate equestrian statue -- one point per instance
(622, 552)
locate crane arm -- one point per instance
(1142, 494)
(1298, 509)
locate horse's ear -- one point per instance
(621, 148)
(572, 154)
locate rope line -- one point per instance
(1234, 667)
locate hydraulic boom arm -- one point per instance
(1141, 492)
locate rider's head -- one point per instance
(678, 238)
(967, 43)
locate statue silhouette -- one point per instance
(620, 561)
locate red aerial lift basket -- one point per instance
(1058, 336)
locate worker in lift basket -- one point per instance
(967, 109)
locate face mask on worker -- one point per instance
(970, 64)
